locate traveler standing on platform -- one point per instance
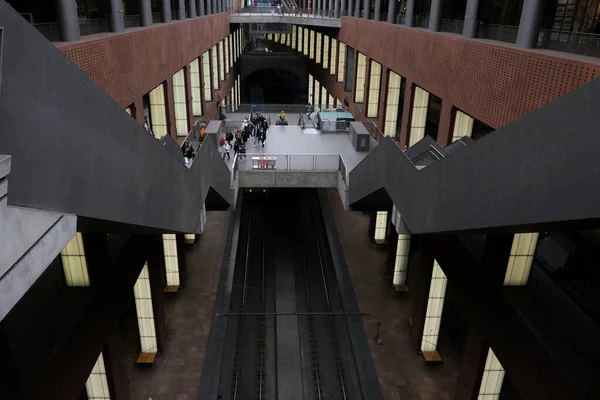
(229, 138)
(226, 149)
(263, 137)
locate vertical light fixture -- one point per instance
(380, 226)
(215, 67)
(230, 49)
(96, 385)
(195, 86)
(317, 94)
(492, 379)
(288, 39)
(433, 316)
(310, 89)
(311, 53)
(190, 238)
(158, 111)
(221, 60)
(318, 48)
(521, 258)
(179, 103)
(226, 54)
(300, 39)
(361, 72)
(333, 61)
(463, 126)
(419, 115)
(393, 102)
(341, 62)
(206, 76)
(239, 94)
(374, 87)
(171, 262)
(74, 263)
(401, 264)
(294, 37)
(331, 102)
(145, 313)
(323, 97)
(325, 52)
(306, 42)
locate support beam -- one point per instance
(68, 21)
(529, 25)
(391, 17)
(435, 15)
(191, 6)
(183, 276)
(409, 19)
(377, 11)
(145, 12)
(115, 17)
(166, 11)
(471, 24)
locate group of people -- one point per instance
(253, 128)
(188, 152)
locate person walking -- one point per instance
(226, 149)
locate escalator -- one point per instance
(75, 150)
(535, 172)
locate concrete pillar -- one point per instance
(68, 21)
(337, 7)
(472, 365)
(209, 7)
(115, 17)
(166, 11)
(332, 8)
(116, 369)
(471, 24)
(343, 8)
(181, 10)
(391, 19)
(214, 6)
(192, 8)
(367, 8)
(201, 8)
(435, 15)
(377, 13)
(529, 25)
(409, 18)
(181, 242)
(357, 8)
(145, 13)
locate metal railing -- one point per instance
(502, 33)
(587, 44)
(156, 18)
(268, 108)
(452, 26)
(131, 21)
(421, 22)
(299, 12)
(287, 162)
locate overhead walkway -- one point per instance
(538, 170)
(263, 15)
(74, 150)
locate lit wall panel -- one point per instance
(435, 306)
(319, 45)
(374, 88)
(419, 115)
(96, 385)
(195, 86)
(393, 103)
(463, 126)
(179, 103)
(171, 261)
(230, 41)
(380, 226)
(333, 60)
(145, 312)
(206, 76)
(74, 263)
(492, 379)
(361, 71)
(158, 111)
(215, 67)
(226, 54)
(306, 46)
(323, 101)
(341, 62)
(300, 39)
(401, 264)
(294, 36)
(521, 258)
(325, 52)
(239, 93)
(311, 48)
(311, 83)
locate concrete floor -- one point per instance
(403, 375)
(176, 373)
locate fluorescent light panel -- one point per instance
(521, 258)
(380, 225)
(96, 385)
(401, 264)
(492, 379)
(435, 306)
(74, 263)
(145, 312)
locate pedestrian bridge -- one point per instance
(270, 16)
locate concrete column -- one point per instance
(214, 6)
(332, 8)
(420, 266)
(68, 21)
(377, 13)
(391, 19)
(209, 7)
(343, 7)
(529, 25)
(166, 11)
(357, 8)
(181, 10)
(156, 272)
(116, 369)
(472, 365)
(145, 13)
(337, 6)
(192, 8)
(115, 17)
(409, 18)
(392, 241)
(435, 15)
(181, 260)
(471, 24)
(201, 8)
(367, 8)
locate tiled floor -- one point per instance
(402, 372)
(176, 374)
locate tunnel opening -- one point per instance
(274, 86)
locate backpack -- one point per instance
(222, 142)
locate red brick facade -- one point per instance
(129, 65)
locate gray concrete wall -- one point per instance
(288, 179)
(30, 239)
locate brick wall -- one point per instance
(129, 65)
